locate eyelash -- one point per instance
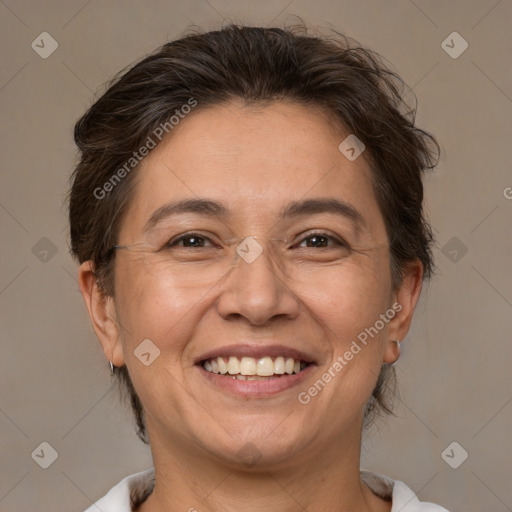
(173, 243)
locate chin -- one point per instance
(261, 449)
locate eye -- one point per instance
(321, 240)
(190, 240)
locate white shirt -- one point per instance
(136, 487)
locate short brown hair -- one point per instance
(254, 65)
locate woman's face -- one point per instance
(322, 295)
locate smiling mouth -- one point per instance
(250, 368)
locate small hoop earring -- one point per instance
(398, 350)
(111, 368)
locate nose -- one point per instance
(258, 291)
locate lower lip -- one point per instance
(256, 388)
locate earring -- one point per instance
(111, 368)
(398, 350)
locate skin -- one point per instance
(254, 160)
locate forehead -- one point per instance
(255, 160)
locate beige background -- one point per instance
(455, 370)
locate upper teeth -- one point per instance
(264, 366)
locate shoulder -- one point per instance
(402, 497)
(129, 491)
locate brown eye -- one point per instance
(189, 240)
(317, 241)
(321, 240)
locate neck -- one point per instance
(314, 480)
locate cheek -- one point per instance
(350, 297)
(347, 305)
(150, 307)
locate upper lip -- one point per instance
(256, 351)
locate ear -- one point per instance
(405, 299)
(102, 313)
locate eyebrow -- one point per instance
(209, 208)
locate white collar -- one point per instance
(137, 487)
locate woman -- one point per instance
(247, 213)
